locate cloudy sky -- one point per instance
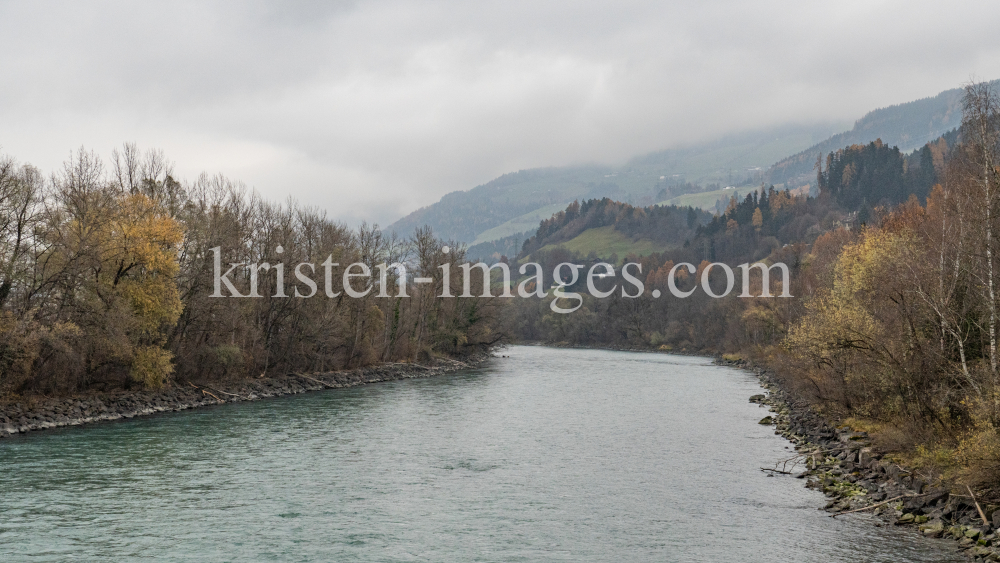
(373, 109)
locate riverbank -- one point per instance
(618, 348)
(39, 413)
(845, 466)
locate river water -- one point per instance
(545, 455)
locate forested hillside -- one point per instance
(669, 226)
(741, 160)
(464, 215)
(906, 126)
(461, 216)
(493, 251)
(854, 181)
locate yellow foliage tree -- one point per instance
(848, 329)
(143, 247)
(778, 200)
(731, 207)
(758, 219)
(119, 258)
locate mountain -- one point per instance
(906, 126)
(856, 180)
(497, 216)
(515, 202)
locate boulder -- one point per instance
(933, 528)
(865, 457)
(935, 495)
(915, 505)
(933, 532)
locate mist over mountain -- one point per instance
(501, 213)
(907, 126)
(517, 201)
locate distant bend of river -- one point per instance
(545, 455)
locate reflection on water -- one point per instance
(548, 455)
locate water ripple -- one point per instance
(548, 455)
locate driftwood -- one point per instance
(203, 392)
(876, 505)
(323, 383)
(795, 460)
(981, 515)
(409, 365)
(220, 391)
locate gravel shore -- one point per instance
(40, 413)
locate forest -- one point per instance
(106, 278)
(907, 126)
(665, 224)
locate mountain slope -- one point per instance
(465, 215)
(504, 207)
(907, 126)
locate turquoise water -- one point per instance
(547, 455)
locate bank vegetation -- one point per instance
(106, 276)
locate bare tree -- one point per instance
(980, 156)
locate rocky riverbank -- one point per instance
(40, 413)
(858, 478)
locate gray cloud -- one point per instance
(373, 109)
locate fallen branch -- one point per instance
(409, 365)
(981, 515)
(223, 392)
(884, 502)
(216, 398)
(202, 389)
(323, 383)
(776, 471)
(795, 460)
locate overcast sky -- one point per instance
(373, 109)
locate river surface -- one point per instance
(545, 455)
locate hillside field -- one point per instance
(605, 241)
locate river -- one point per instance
(545, 455)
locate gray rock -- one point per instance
(915, 505)
(865, 457)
